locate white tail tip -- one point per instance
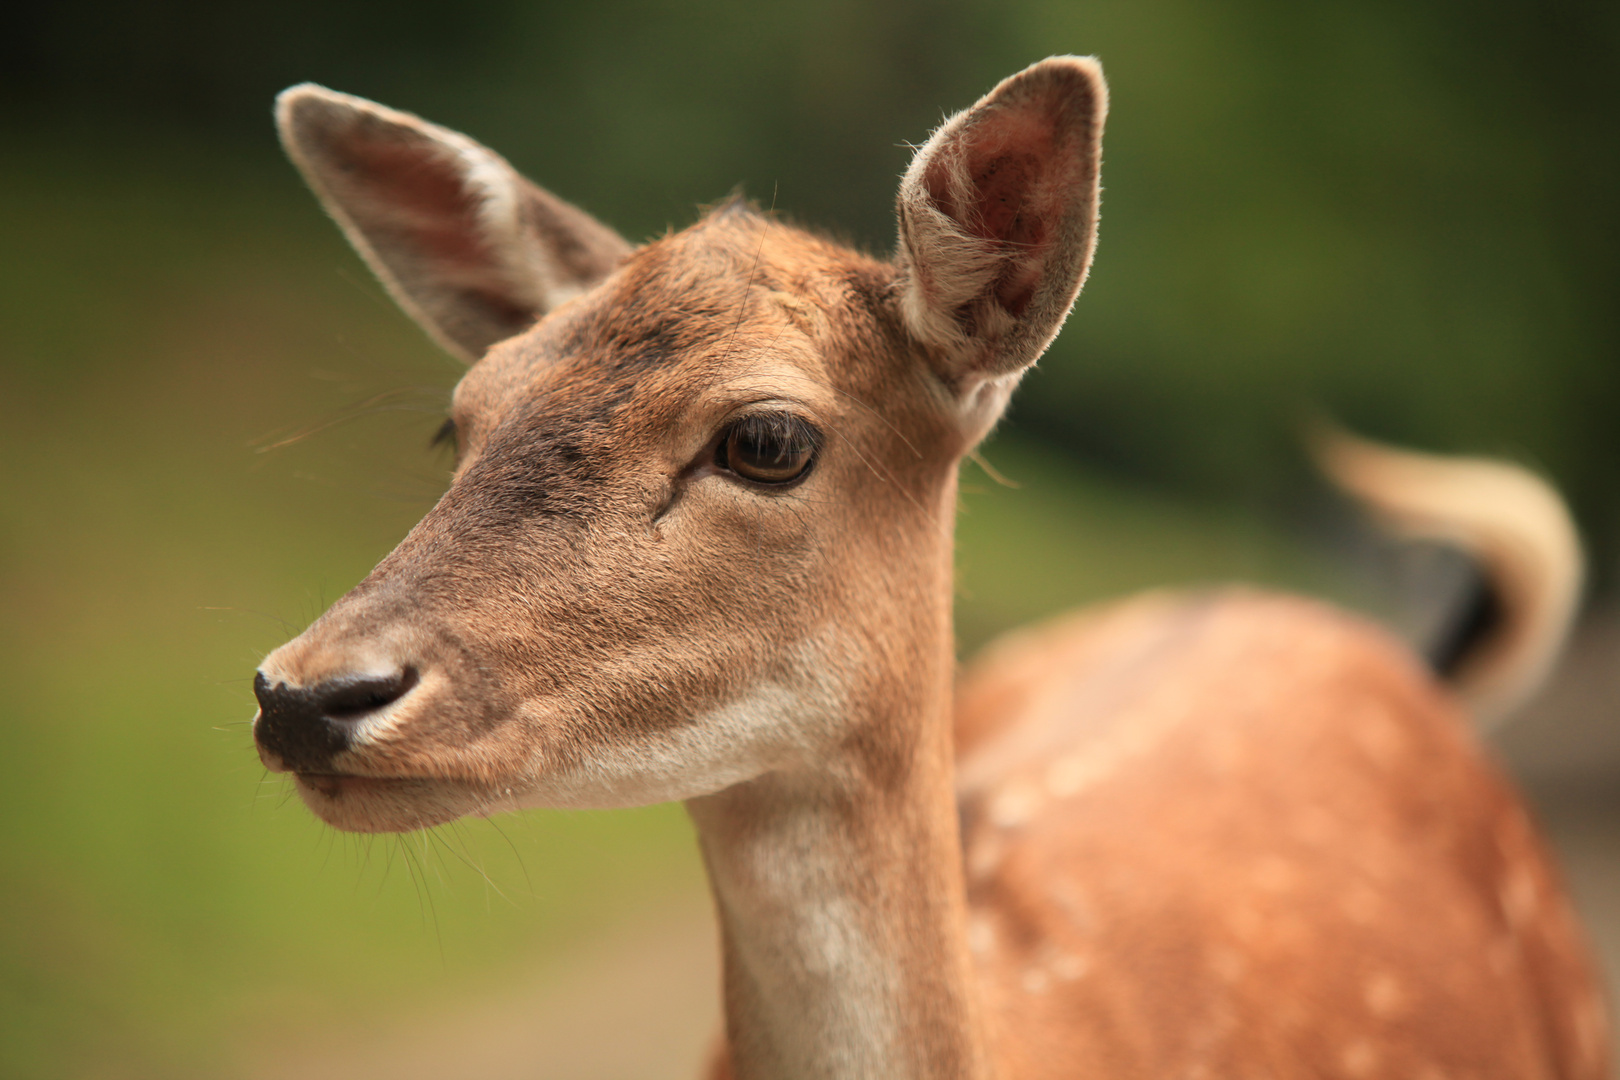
(1510, 522)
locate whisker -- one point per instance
(990, 470)
(872, 410)
(881, 475)
(518, 855)
(267, 616)
(742, 305)
(467, 861)
(388, 866)
(384, 402)
(424, 889)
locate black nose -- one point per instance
(306, 725)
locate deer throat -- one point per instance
(843, 918)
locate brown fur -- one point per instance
(472, 250)
(1231, 835)
(1245, 835)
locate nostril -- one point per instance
(305, 725)
(345, 699)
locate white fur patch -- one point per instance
(771, 725)
(822, 991)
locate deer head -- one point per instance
(700, 523)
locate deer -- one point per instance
(697, 546)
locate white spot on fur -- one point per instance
(1015, 804)
(984, 856)
(981, 935)
(1072, 774)
(1359, 1058)
(1517, 894)
(1069, 967)
(1275, 874)
(1384, 995)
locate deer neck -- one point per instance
(842, 905)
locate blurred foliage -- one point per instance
(214, 422)
(1402, 212)
(163, 912)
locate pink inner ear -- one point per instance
(420, 195)
(1020, 175)
(1009, 164)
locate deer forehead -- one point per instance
(735, 309)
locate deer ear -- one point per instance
(473, 251)
(998, 219)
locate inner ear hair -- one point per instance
(998, 219)
(468, 247)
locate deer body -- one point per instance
(1241, 835)
(698, 546)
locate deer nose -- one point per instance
(301, 728)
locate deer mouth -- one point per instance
(337, 785)
(373, 804)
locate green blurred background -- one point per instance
(213, 422)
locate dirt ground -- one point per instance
(643, 1002)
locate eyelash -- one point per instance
(784, 433)
(445, 436)
(775, 449)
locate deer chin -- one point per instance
(375, 804)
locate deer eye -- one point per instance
(768, 448)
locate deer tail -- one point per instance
(1516, 531)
